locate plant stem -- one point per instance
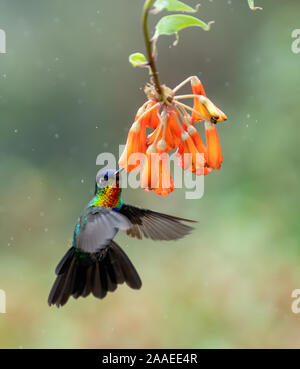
(152, 66)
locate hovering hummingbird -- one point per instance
(95, 263)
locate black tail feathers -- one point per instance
(79, 274)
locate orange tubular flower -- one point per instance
(167, 136)
(214, 152)
(175, 132)
(155, 173)
(198, 89)
(149, 175)
(199, 146)
(165, 183)
(150, 120)
(189, 157)
(203, 105)
(215, 114)
(136, 144)
(173, 127)
(197, 139)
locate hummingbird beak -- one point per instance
(117, 172)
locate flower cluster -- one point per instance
(173, 125)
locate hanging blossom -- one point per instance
(173, 124)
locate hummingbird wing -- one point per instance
(154, 225)
(98, 226)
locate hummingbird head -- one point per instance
(108, 178)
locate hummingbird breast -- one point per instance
(110, 197)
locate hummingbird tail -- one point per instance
(80, 273)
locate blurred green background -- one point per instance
(68, 93)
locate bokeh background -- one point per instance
(68, 93)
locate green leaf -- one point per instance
(138, 60)
(252, 7)
(173, 6)
(172, 24)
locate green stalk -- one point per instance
(151, 63)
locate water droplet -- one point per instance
(82, 181)
(42, 214)
(16, 131)
(56, 135)
(46, 229)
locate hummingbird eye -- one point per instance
(105, 177)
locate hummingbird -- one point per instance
(96, 264)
